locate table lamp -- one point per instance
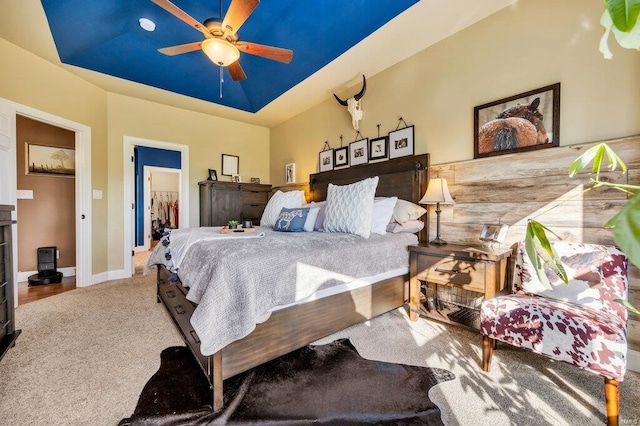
(437, 193)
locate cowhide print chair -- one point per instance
(579, 323)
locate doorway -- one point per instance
(132, 199)
(8, 175)
(161, 203)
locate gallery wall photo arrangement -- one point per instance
(50, 160)
(523, 122)
(401, 142)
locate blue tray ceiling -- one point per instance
(105, 36)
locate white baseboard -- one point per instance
(66, 272)
(633, 361)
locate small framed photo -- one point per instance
(254, 180)
(230, 165)
(290, 173)
(213, 175)
(236, 178)
(358, 152)
(401, 142)
(341, 156)
(326, 160)
(378, 148)
(494, 233)
(522, 122)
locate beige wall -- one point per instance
(529, 45)
(34, 82)
(208, 138)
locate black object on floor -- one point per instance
(327, 384)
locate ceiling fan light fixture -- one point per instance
(220, 51)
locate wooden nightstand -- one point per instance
(449, 282)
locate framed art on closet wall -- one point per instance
(230, 165)
(50, 160)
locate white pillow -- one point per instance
(350, 207)
(382, 214)
(410, 226)
(290, 200)
(322, 205)
(406, 210)
(310, 223)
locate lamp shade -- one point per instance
(220, 51)
(437, 192)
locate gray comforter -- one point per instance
(236, 281)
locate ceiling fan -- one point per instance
(221, 42)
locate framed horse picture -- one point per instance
(522, 122)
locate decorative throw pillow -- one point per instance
(350, 207)
(291, 220)
(592, 270)
(291, 199)
(410, 226)
(382, 214)
(406, 210)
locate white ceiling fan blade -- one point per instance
(182, 15)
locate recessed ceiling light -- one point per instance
(147, 24)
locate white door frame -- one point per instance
(130, 142)
(148, 171)
(82, 132)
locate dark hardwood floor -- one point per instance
(28, 294)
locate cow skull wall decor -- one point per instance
(353, 104)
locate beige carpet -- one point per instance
(85, 355)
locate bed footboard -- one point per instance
(286, 330)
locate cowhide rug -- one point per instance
(328, 384)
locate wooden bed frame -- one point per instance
(292, 328)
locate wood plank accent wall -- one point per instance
(512, 188)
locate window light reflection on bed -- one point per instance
(437, 193)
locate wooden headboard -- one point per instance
(405, 178)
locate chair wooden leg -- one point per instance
(612, 397)
(487, 352)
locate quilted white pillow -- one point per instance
(350, 207)
(290, 200)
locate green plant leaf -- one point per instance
(626, 39)
(624, 13)
(627, 305)
(626, 231)
(596, 154)
(539, 250)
